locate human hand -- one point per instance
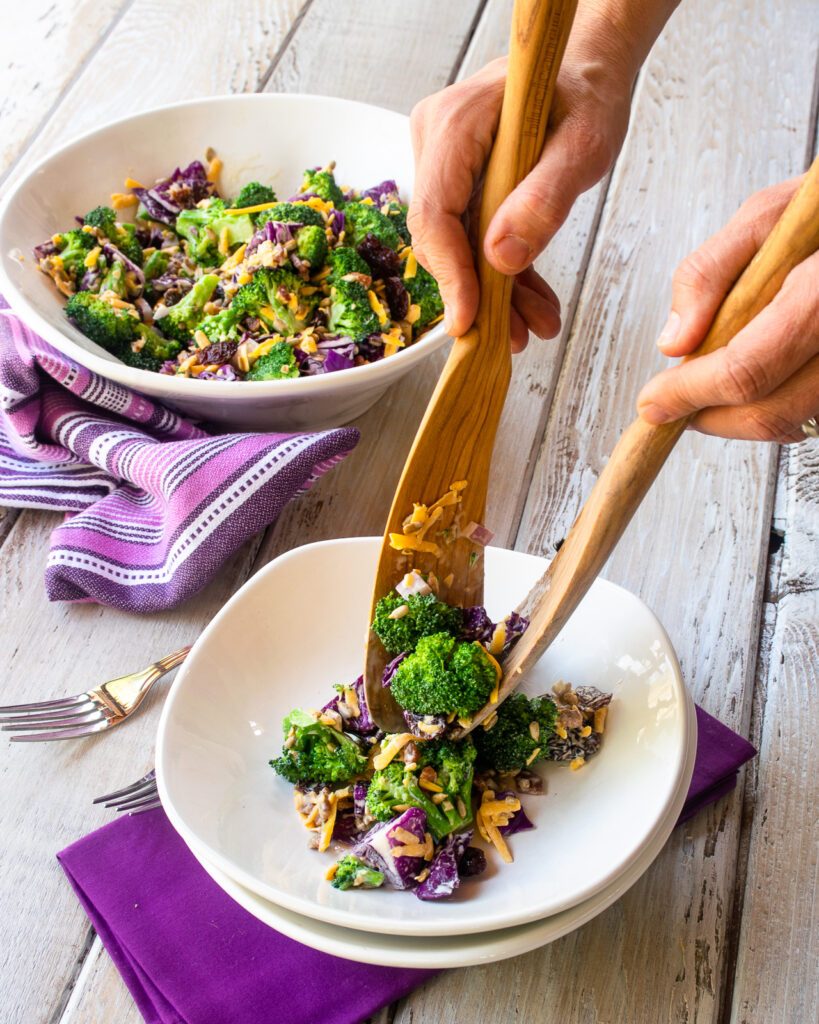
(765, 383)
(453, 132)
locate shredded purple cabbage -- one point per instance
(443, 878)
(382, 192)
(478, 626)
(362, 723)
(276, 231)
(400, 871)
(181, 191)
(391, 668)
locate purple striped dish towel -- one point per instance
(155, 503)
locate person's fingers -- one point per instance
(704, 278)
(764, 354)
(775, 418)
(532, 279)
(519, 332)
(444, 183)
(539, 313)
(586, 128)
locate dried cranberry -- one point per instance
(472, 863)
(220, 352)
(380, 258)
(397, 297)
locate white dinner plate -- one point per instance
(458, 950)
(297, 628)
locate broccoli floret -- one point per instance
(73, 247)
(269, 296)
(149, 350)
(316, 752)
(277, 364)
(397, 213)
(119, 333)
(183, 318)
(311, 243)
(156, 265)
(395, 785)
(352, 873)
(222, 326)
(344, 260)
(254, 194)
(426, 615)
(524, 725)
(203, 228)
(444, 675)
(123, 236)
(424, 292)
(323, 184)
(350, 310)
(291, 213)
(362, 218)
(112, 329)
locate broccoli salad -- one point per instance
(248, 288)
(407, 805)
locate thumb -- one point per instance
(704, 278)
(574, 159)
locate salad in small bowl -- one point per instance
(271, 284)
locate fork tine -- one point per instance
(66, 721)
(126, 790)
(66, 734)
(54, 715)
(130, 805)
(63, 702)
(156, 802)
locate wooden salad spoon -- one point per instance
(457, 434)
(643, 449)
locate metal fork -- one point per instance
(93, 711)
(140, 796)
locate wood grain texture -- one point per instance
(42, 50)
(780, 912)
(456, 438)
(642, 450)
(706, 131)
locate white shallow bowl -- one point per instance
(297, 628)
(258, 136)
(459, 950)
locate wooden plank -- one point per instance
(44, 49)
(707, 130)
(780, 912)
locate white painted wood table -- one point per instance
(725, 925)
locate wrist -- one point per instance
(616, 35)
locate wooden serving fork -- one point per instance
(643, 449)
(455, 440)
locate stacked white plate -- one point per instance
(296, 629)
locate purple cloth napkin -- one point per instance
(190, 955)
(157, 504)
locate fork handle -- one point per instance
(170, 661)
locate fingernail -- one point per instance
(514, 253)
(448, 323)
(668, 335)
(652, 413)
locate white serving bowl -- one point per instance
(270, 137)
(296, 629)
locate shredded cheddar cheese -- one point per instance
(133, 183)
(122, 200)
(393, 747)
(328, 826)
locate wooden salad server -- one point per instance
(455, 440)
(642, 450)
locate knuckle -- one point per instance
(696, 272)
(765, 423)
(742, 379)
(593, 147)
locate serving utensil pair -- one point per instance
(455, 440)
